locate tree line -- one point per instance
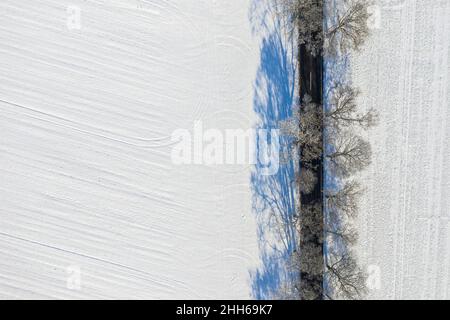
(325, 136)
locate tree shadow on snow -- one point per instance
(274, 196)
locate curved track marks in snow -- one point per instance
(86, 178)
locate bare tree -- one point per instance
(311, 127)
(291, 126)
(343, 232)
(307, 180)
(351, 154)
(342, 208)
(350, 29)
(311, 227)
(306, 16)
(343, 110)
(311, 269)
(311, 259)
(346, 279)
(345, 199)
(305, 127)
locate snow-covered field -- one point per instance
(91, 204)
(404, 72)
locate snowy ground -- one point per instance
(404, 72)
(91, 204)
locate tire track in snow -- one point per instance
(404, 217)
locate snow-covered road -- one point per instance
(404, 72)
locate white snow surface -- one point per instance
(86, 179)
(404, 72)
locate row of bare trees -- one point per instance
(347, 31)
(347, 154)
(330, 133)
